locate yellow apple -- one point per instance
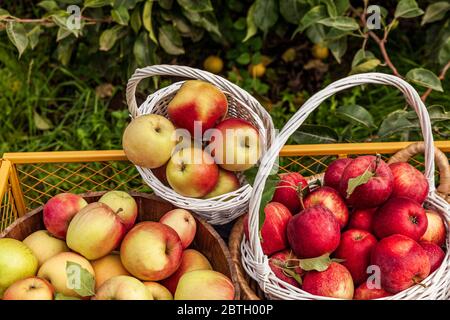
(183, 223)
(44, 245)
(123, 288)
(228, 182)
(123, 205)
(107, 267)
(158, 291)
(204, 285)
(29, 289)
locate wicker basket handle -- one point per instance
(178, 71)
(440, 159)
(268, 160)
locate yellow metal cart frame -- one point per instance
(28, 179)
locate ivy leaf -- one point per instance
(424, 78)
(120, 15)
(109, 37)
(356, 114)
(314, 15)
(435, 12)
(4, 13)
(60, 296)
(407, 9)
(170, 40)
(147, 20)
(341, 23)
(196, 5)
(17, 35)
(314, 134)
(97, 3)
(85, 284)
(251, 26)
(318, 263)
(33, 36)
(265, 14)
(48, 5)
(136, 21)
(355, 182)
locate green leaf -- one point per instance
(4, 13)
(335, 34)
(362, 56)
(356, 114)
(314, 15)
(170, 40)
(318, 263)
(64, 51)
(41, 122)
(435, 12)
(444, 52)
(266, 14)
(17, 35)
(355, 182)
(165, 4)
(395, 122)
(292, 10)
(48, 5)
(437, 113)
(85, 284)
(196, 5)
(60, 296)
(62, 33)
(331, 8)
(314, 134)
(424, 78)
(33, 35)
(244, 58)
(342, 6)
(206, 20)
(136, 21)
(97, 3)
(147, 20)
(366, 66)
(250, 175)
(407, 9)
(266, 197)
(120, 15)
(251, 26)
(338, 48)
(109, 37)
(316, 33)
(341, 23)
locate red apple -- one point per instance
(362, 219)
(197, 101)
(273, 232)
(281, 266)
(436, 228)
(375, 191)
(402, 262)
(313, 232)
(288, 190)
(151, 251)
(59, 210)
(409, 182)
(183, 223)
(435, 254)
(335, 282)
(333, 174)
(355, 249)
(400, 216)
(328, 198)
(364, 293)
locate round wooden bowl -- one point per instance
(150, 208)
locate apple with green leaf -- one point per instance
(289, 189)
(333, 174)
(285, 265)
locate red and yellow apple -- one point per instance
(183, 223)
(151, 251)
(44, 245)
(123, 205)
(123, 288)
(435, 254)
(32, 288)
(289, 190)
(59, 211)
(204, 285)
(95, 231)
(436, 228)
(227, 182)
(107, 267)
(409, 182)
(158, 291)
(148, 141)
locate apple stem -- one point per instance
(377, 162)
(119, 210)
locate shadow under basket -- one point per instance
(150, 208)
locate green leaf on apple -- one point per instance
(291, 273)
(60, 296)
(267, 195)
(353, 183)
(318, 263)
(80, 279)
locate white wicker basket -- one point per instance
(224, 208)
(255, 262)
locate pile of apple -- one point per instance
(194, 152)
(76, 257)
(364, 234)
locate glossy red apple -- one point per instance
(333, 174)
(335, 282)
(282, 266)
(435, 254)
(409, 182)
(400, 216)
(313, 232)
(331, 199)
(363, 292)
(355, 249)
(289, 189)
(273, 231)
(402, 262)
(436, 228)
(362, 219)
(375, 191)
